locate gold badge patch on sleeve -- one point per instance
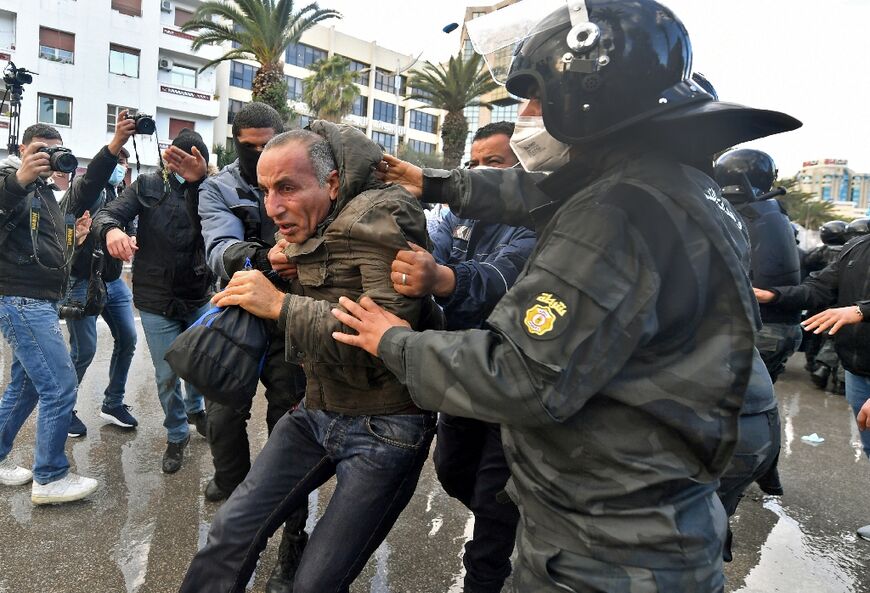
(542, 316)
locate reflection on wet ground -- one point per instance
(139, 531)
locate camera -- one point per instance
(60, 158)
(144, 123)
(95, 298)
(13, 76)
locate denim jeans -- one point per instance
(118, 314)
(377, 462)
(858, 392)
(42, 373)
(160, 332)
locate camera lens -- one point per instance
(145, 125)
(65, 162)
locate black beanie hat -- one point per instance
(187, 139)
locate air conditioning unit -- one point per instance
(166, 5)
(164, 64)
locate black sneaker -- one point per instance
(174, 455)
(200, 421)
(214, 493)
(77, 428)
(119, 416)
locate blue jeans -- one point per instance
(160, 332)
(42, 373)
(118, 314)
(858, 392)
(377, 462)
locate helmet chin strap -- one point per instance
(578, 12)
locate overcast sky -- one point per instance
(807, 58)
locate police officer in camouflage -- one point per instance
(618, 361)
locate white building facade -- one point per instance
(97, 57)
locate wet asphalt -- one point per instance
(137, 533)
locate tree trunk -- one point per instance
(270, 87)
(454, 130)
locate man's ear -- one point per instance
(333, 183)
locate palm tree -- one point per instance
(260, 30)
(453, 87)
(330, 92)
(804, 208)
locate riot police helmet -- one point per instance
(746, 173)
(833, 232)
(598, 66)
(857, 228)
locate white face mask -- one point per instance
(536, 149)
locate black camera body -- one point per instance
(96, 295)
(145, 124)
(60, 158)
(13, 76)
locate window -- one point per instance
(295, 88)
(383, 111)
(364, 77)
(128, 7)
(242, 75)
(467, 50)
(385, 81)
(7, 29)
(472, 116)
(421, 147)
(124, 61)
(360, 106)
(112, 112)
(475, 15)
(385, 140)
(423, 121)
(57, 46)
(176, 125)
(424, 96)
(55, 110)
(826, 194)
(182, 16)
(234, 107)
(303, 55)
(505, 112)
(184, 76)
(237, 28)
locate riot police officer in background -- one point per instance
(857, 228)
(746, 176)
(833, 236)
(592, 361)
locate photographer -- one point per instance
(88, 265)
(34, 268)
(171, 282)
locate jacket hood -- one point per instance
(355, 158)
(10, 162)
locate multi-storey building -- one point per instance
(375, 109)
(499, 105)
(95, 58)
(831, 180)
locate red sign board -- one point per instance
(5, 56)
(175, 33)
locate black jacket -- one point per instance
(844, 282)
(81, 266)
(20, 274)
(170, 277)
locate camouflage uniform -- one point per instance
(616, 364)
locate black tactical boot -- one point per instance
(769, 482)
(289, 553)
(820, 376)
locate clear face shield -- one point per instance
(496, 35)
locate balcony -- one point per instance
(187, 100)
(179, 42)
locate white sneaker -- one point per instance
(69, 488)
(13, 475)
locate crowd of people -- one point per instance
(591, 321)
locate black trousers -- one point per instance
(228, 426)
(471, 466)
